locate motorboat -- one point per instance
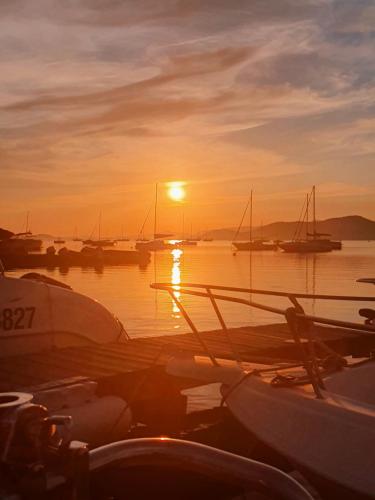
(41, 458)
(318, 413)
(20, 243)
(40, 315)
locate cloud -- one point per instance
(279, 92)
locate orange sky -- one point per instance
(101, 99)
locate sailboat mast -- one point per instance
(155, 208)
(307, 216)
(251, 217)
(27, 222)
(100, 223)
(314, 213)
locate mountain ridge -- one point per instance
(348, 227)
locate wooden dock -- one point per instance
(129, 360)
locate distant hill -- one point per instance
(351, 227)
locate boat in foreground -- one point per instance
(39, 315)
(39, 459)
(318, 413)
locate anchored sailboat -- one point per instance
(258, 244)
(313, 242)
(99, 242)
(157, 243)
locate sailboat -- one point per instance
(313, 242)
(75, 237)
(258, 244)
(22, 243)
(157, 243)
(99, 242)
(123, 238)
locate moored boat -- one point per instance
(99, 243)
(318, 413)
(153, 245)
(312, 242)
(20, 243)
(254, 245)
(40, 315)
(258, 244)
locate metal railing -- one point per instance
(298, 321)
(187, 289)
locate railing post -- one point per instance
(299, 310)
(193, 327)
(223, 325)
(292, 320)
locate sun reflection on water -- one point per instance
(176, 280)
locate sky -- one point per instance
(101, 99)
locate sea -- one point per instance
(145, 312)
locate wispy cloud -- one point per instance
(264, 90)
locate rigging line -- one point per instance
(303, 216)
(243, 217)
(144, 222)
(297, 231)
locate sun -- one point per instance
(176, 191)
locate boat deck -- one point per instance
(130, 359)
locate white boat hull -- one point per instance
(36, 316)
(333, 437)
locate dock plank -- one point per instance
(253, 343)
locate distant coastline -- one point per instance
(351, 227)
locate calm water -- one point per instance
(144, 312)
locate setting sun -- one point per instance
(176, 191)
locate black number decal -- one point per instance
(7, 319)
(31, 310)
(19, 314)
(17, 319)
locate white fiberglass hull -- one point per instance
(333, 437)
(36, 316)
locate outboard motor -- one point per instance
(36, 453)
